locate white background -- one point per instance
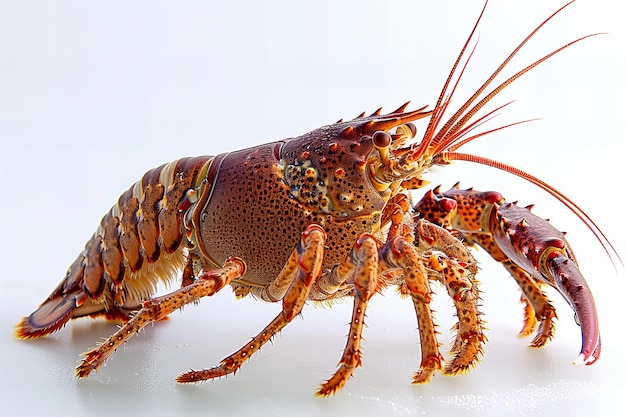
(93, 94)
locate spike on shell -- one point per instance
(347, 131)
(402, 108)
(377, 112)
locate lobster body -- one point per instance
(321, 216)
(245, 204)
(257, 198)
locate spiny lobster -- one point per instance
(323, 216)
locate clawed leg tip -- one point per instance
(184, 381)
(326, 391)
(82, 373)
(423, 376)
(190, 377)
(582, 360)
(589, 353)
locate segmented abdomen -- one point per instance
(137, 244)
(144, 223)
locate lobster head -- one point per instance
(351, 168)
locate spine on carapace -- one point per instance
(137, 244)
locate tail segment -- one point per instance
(136, 246)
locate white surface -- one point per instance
(93, 94)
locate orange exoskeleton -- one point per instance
(323, 216)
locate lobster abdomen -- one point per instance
(137, 245)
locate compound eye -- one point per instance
(413, 129)
(381, 139)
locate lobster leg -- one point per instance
(463, 290)
(457, 270)
(368, 266)
(400, 253)
(447, 260)
(539, 313)
(460, 211)
(431, 357)
(303, 266)
(533, 245)
(364, 258)
(208, 283)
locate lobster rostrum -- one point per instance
(322, 216)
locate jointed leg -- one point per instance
(208, 283)
(400, 253)
(463, 290)
(364, 258)
(440, 209)
(539, 313)
(450, 262)
(537, 307)
(457, 268)
(431, 357)
(304, 268)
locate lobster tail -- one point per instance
(55, 312)
(75, 296)
(49, 317)
(136, 246)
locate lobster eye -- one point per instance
(413, 129)
(381, 139)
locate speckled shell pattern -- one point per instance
(262, 199)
